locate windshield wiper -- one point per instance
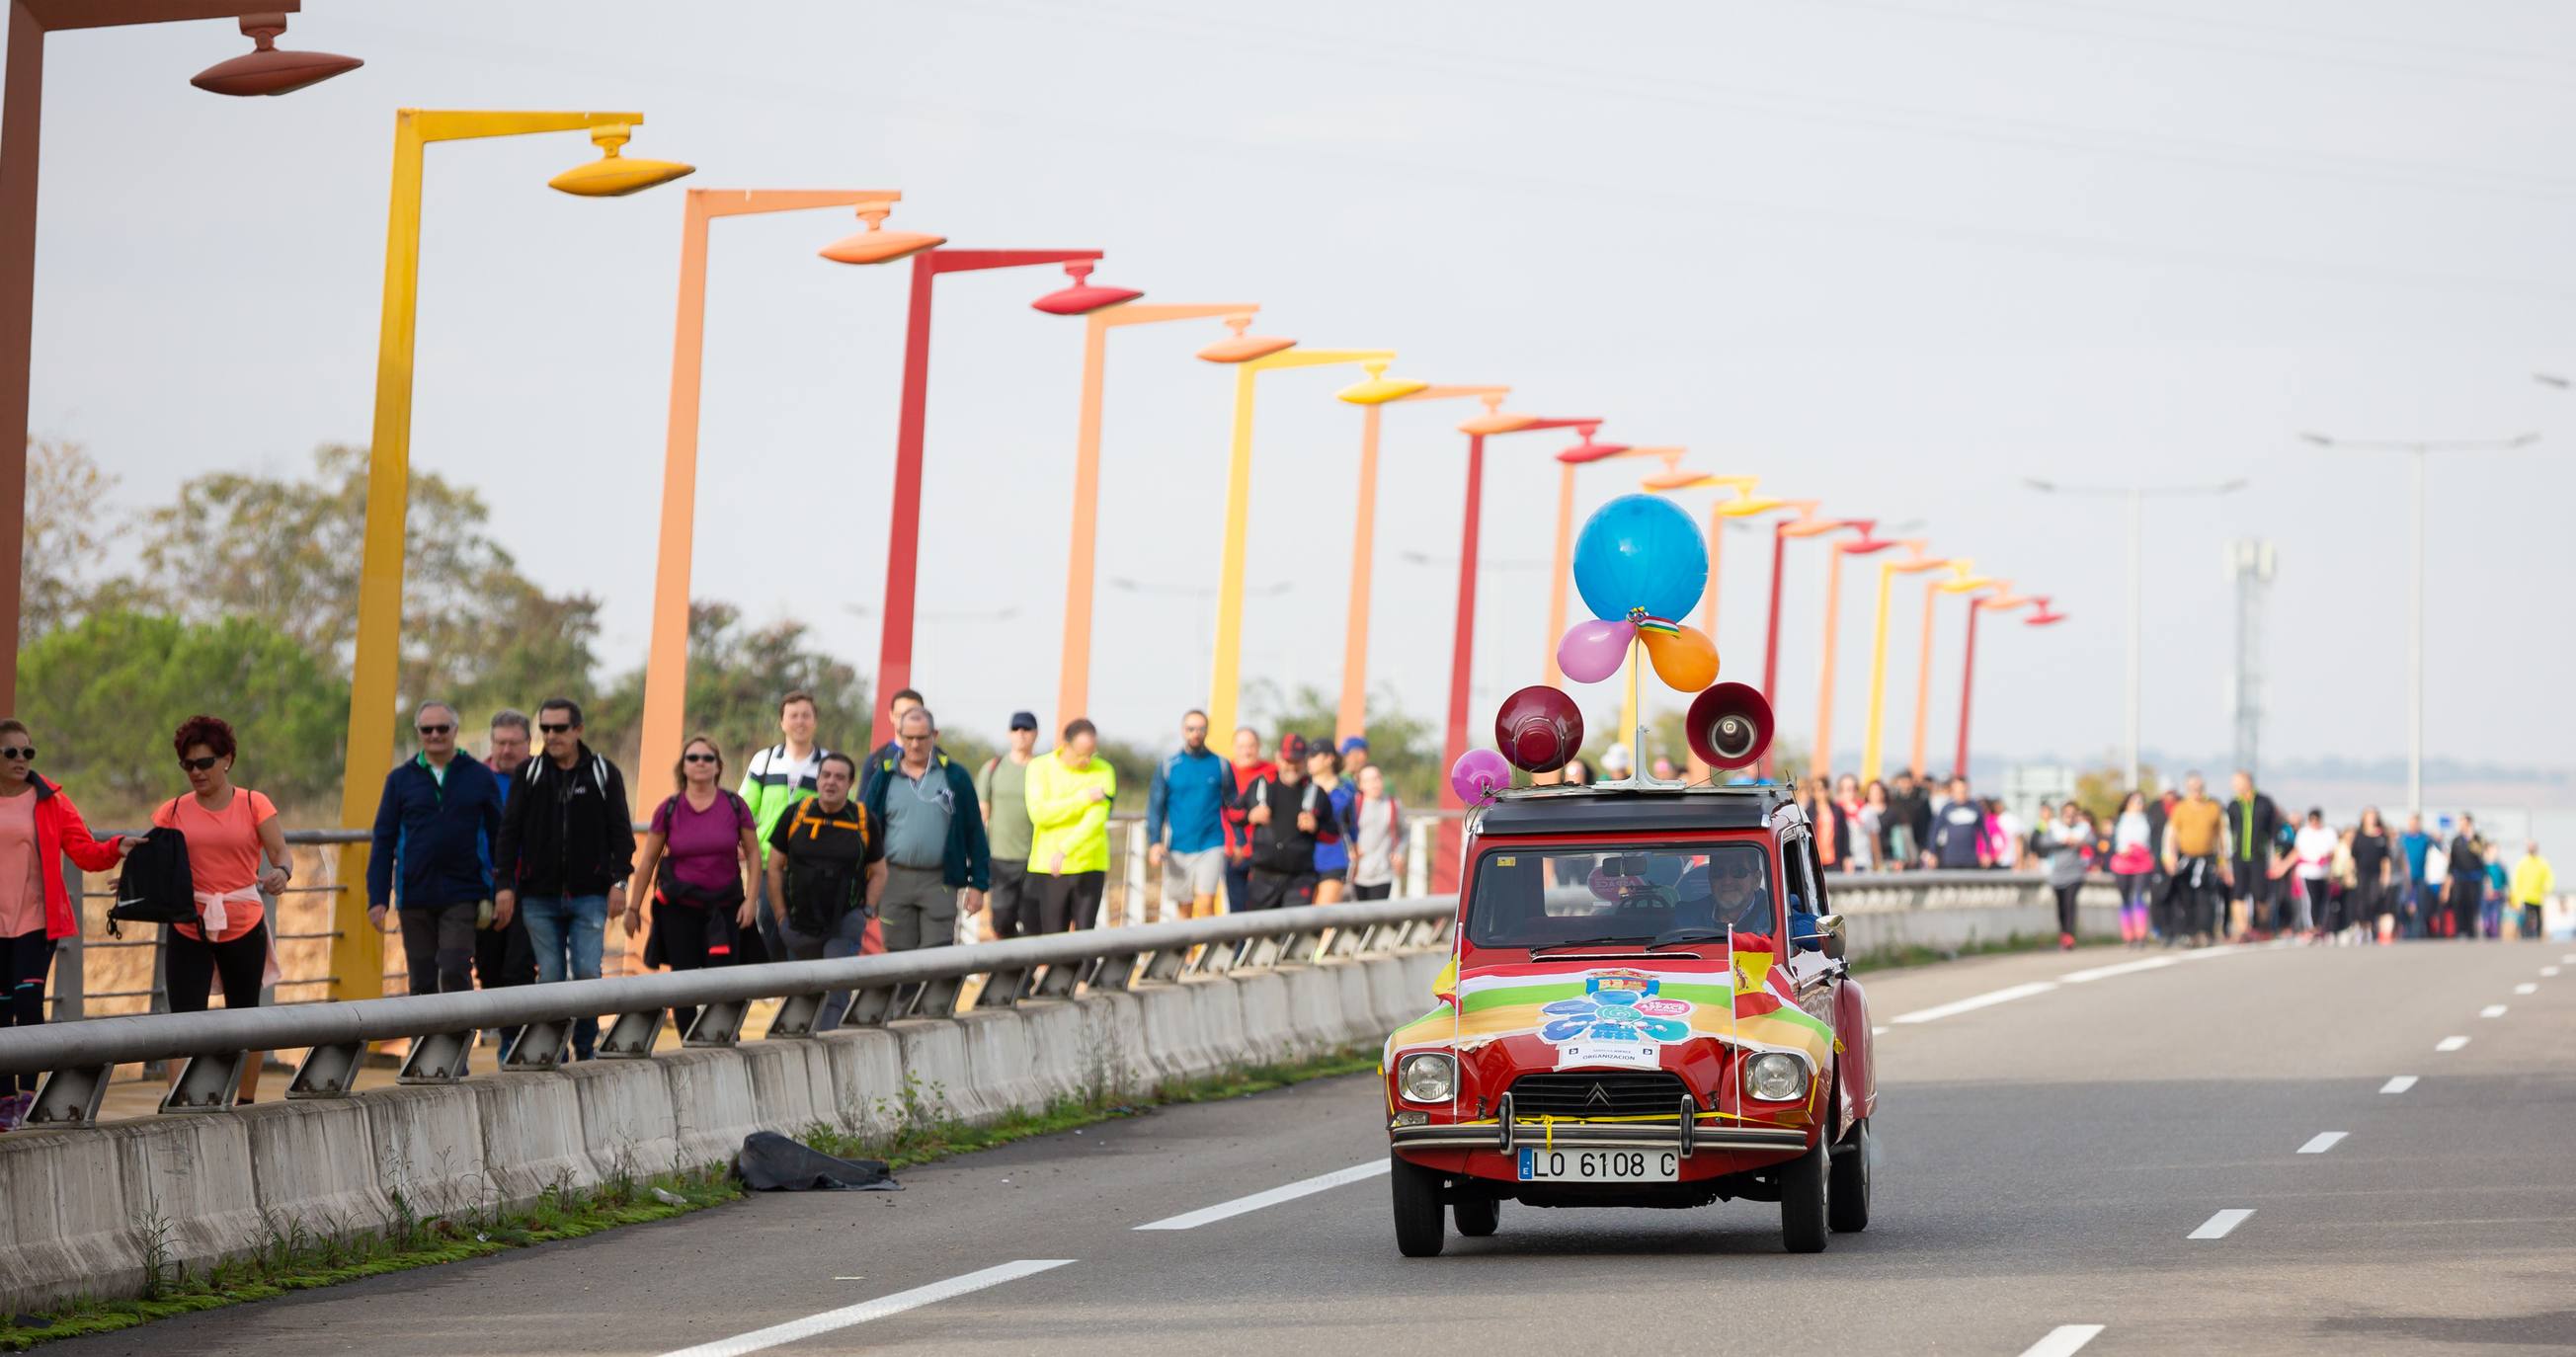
(1588, 942)
(1682, 935)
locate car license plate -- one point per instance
(1599, 1166)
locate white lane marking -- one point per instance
(2322, 1141)
(2218, 1226)
(2526, 987)
(2398, 1084)
(1207, 1215)
(796, 1330)
(2450, 1043)
(2548, 971)
(2063, 1341)
(2491, 1011)
(1878, 1031)
(2570, 958)
(2123, 968)
(1975, 1002)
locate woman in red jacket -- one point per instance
(39, 826)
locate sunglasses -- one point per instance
(700, 758)
(1738, 869)
(27, 753)
(203, 765)
(436, 730)
(554, 727)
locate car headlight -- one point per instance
(1775, 1077)
(1427, 1078)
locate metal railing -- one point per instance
(77, 1058)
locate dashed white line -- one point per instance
(1878, 1031)
(2548, 971)
(797, 1330)
(2218, 1226)
(2450, 1043)
(1975, 1002)
(2322, 1141)
(2123, 968)
(2570, 958)
(2063, 1341)
(2526, 987)
(2491, 1011)
(2398, 1084)
(1208, 1215)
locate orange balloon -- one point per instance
(1685, 660)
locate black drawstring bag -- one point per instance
(770, 1162)
(154, 886)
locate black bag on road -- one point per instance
(770, 1162)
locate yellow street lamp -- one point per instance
(1915, 563)
(1250, 355)
(359, 959)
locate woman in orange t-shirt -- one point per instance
(236, 850)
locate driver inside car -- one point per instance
(1728, 891)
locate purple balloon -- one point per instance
(1478, 775)
(1592, 651)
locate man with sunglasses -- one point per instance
(567, 846)
(438, 815)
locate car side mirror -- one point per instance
(1828, 935)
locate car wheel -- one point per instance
(1477, 1216)
(1418, 1222)
(1802, 1201)
(1847, 1188)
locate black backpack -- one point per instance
(155, 886)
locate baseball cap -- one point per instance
(1292, 746)
(1351, 742)
(1024, 720)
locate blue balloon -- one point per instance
(1640, 551)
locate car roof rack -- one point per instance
(1644, 805)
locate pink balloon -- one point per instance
(1592, 651)
(1478, 775)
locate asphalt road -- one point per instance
(2070, 1157)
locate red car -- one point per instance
(1647, 1006)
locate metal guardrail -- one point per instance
(78, 1057)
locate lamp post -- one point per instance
(1805, 524)
(1589, 450)
(1871, 743)
(1073, 677)
(22, 106)
(375, 668)
(1462, 645)
(1868, 543)
(2421, 449)
(666, 664)
(903, 531)
(2136, 495)
(1674, 480)
(1965, 581)
(1250, 355)
(1376, 392)
(2006, 601)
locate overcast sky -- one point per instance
(1895, 255)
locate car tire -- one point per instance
(1802, 1201)
(1419, 1220)
(1847, 1186)
(1477, 1217)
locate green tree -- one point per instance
(70, 526)
(104, 695)
(1406, 748)
(736, 676)
(2101, 789)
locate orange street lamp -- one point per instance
(1964, 581)
(1864, 545)
(1084, 298)
(2002, 602)
(1371, 395)
(666, 664)
(1915, 563)
(22, 105)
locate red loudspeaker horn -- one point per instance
(1730, 725)
(1538, 729)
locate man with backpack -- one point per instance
(826, 870)
(774, 781)
(1285, 814)
(567, 848)
(1003, 789)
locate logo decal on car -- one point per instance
(1619, 1020)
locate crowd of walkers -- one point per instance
(2193, 870)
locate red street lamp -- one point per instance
(1806, 524)
(903, 538)
(266, 70)
(2004, 602)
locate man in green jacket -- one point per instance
(1069, 794)
(937, 862)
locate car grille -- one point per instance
(1622, 1094)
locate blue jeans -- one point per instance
(840, 942)
(578, 924)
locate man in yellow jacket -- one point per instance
(2532, 883)
(1069, 791)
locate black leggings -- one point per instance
(2066, 907)
(193, 963)
(23, 963)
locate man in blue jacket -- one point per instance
(1184, 820)
(440, 812)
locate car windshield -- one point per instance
(1530, 897)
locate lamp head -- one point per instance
(1748, 506)
(1238, 347)
(1494, 420)
(266, 70)
(1379, 388)
(1588, 450)
(1084, 296)
(613, 175)
(877, 245)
